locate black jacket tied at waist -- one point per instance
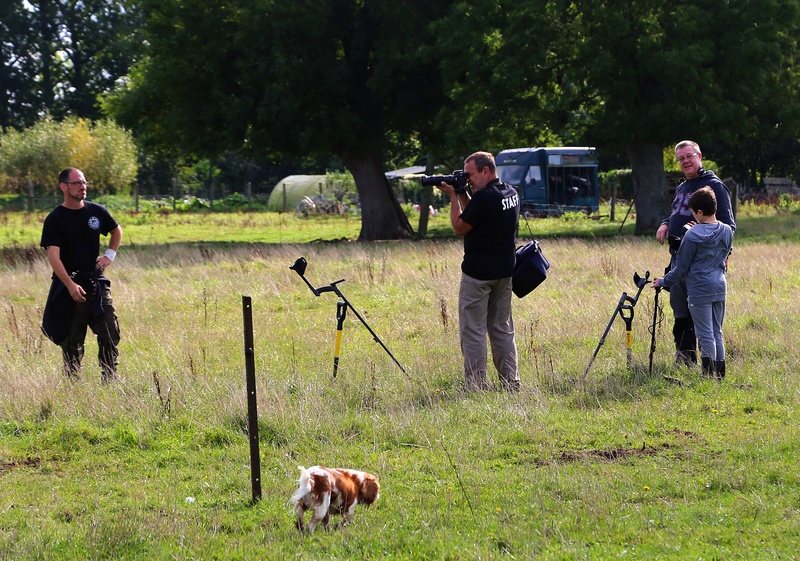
(60, 307)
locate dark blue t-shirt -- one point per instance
(77, 234)
(682, 215)
(489, 246)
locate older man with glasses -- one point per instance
(80, 294)
(488, 222)
(672, 230)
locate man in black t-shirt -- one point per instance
(488, 222)
(80, 294)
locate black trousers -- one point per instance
(104, 326)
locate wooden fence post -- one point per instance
(252, 404)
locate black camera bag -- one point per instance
(530, 269)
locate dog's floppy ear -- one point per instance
(370, 490)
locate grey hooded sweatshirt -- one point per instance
(702, 259)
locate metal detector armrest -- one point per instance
(330, 288)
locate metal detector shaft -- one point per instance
(621, 302)
(363, 321)
(626, 313)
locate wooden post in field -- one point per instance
(252, 407)
(613, 198)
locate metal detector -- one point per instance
(625, 310)
(299, 267)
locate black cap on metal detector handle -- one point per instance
(299, 266)
(641, 281)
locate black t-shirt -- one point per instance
(489, 246)
(77, 234)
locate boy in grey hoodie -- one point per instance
(702, 258)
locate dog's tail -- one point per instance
(304, 484)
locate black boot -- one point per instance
(707, 367)
(685, 341)
(719, 365)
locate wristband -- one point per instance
(111, 254)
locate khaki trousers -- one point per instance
(484, 309)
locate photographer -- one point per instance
(672, 229)
(488, 222)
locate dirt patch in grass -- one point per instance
(611, 454)
(615, 454)
(28, 462)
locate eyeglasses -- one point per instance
(86, 183)
(682, 159)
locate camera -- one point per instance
(458, 180)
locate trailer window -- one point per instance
(534, 174)
(568, 183)
(513, 175)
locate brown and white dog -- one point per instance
(326, 491)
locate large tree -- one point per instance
(57, 57)
(705, 70)
(18, 67)
(637, 76)
(99, 40)
(325, 77)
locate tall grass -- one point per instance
(617, 463)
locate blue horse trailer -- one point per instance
(552, 181)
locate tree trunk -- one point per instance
(382, 217)
(47, 54)
(649, 186)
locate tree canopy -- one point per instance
(634, 77)
(708, 73)
(375, 82)
(312, 76)
(57, 57)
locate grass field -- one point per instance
(614, 464)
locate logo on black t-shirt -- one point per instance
(94, 223)
(510, 202)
